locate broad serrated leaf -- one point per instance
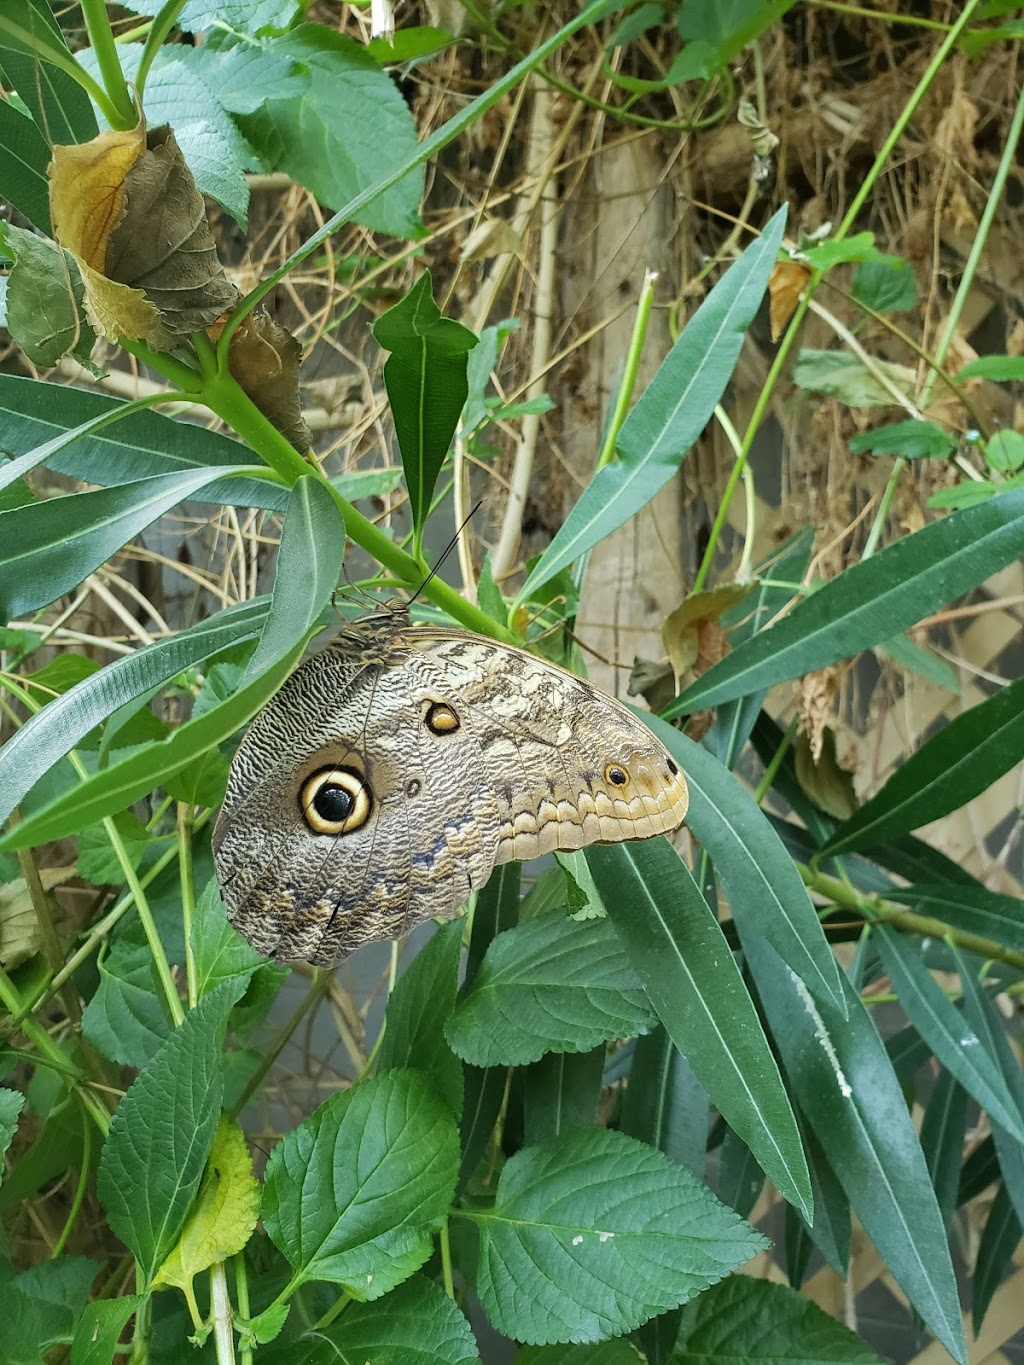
(11, 1103)
(44, 298)
(220, 952)
(550, 985)
(416, 1324)
(155, 1152)
(954, 766)
(742, 1319)
(870, 602)
(615, 1352)
(127, 1019)
(420, 1006)
(98, 864)
(99, 1329)
(671, 413)
(593, 1233)
(356, 1192)
(846, 1087)
(224, 1215)
(678, 950)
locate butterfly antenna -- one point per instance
(445, 553)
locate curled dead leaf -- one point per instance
(785, 285)
(126, 206)
(264, 359)
(691, 634)
(20, 936)
(817, 698)
(828, 785)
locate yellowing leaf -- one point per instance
(224, 1215)
(87, 191)
(117, 311)
(687, 641)
(264, 358)
(785, 286)
(20, 936)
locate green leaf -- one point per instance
(593, 1233)
(41, 1306)
(97, 861)
(846, 1087)
(1005, 451)
(155, 1153)
(127, 1019)
(851, 379)
(958, 763)
(742, 1319)
(885, 286)
(913, 440)
(308, 565)
(999, 1240)
(354, 1194)
(830, 1232)
(618, 1351)
(561, 1092)
(408, 44)
(322, 138)
(942, 1140)
(50, 734)
(247, 16)
(99, 1329)
(58, 104)
(114, 788)
(679, 952)
(220, 952)
(914, 657)
(551, 985)
(44, 298)
(60, 426)
(24, 156)
(859, 247)
(765, 889)
(870, 602)
(51, 546)
(665, 1105)
(1002, 368)
(730, 25)
(974, 909)
(971, 492)
(427, 386)
(945, 1030)
(225, 1212)
(418, 1009)
(11, 1103)
(671, 413)
(416, 1324)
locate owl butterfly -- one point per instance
(396, 768)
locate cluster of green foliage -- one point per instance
(468, 1159)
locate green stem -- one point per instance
(97, 21)
(80, 1188)
(188, 900)
(59, 57)
(875, 908)
(158, 31)
(446, 1261)
(318, 988)
(629, 370)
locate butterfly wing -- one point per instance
(570, 765)
(374, 744)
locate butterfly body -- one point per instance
(396, 768)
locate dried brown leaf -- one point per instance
(690, 647)
(87, 192)
(817, 698)
(785, 285)
(264, 358)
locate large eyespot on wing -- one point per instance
(335, 800)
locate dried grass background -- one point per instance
(550, 212)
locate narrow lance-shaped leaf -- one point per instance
(308, 564)
(945, 1030)
(871, 602)
(55, 730)
(764, 887)
(51, 546)
(671, 413)
(846, 1087)
(112, 789)
(427, 386)
(679, 952)
(950, 769)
